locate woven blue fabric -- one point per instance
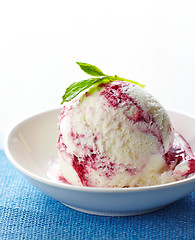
(26, 213)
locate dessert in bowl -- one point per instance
(109, 184)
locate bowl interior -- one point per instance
(32, 143)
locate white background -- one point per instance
(152, 42)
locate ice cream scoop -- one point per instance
(113, 133)
(117, 135)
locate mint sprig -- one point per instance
(74, 89)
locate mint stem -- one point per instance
(127, 80)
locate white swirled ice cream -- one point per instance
(119, 135)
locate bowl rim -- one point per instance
(83, 188)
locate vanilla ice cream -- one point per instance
(118, 135)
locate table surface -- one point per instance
(151, 42)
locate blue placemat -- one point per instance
(26, 213)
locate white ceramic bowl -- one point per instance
(31, 144)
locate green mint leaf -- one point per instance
(74, 89)
(91, 69)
